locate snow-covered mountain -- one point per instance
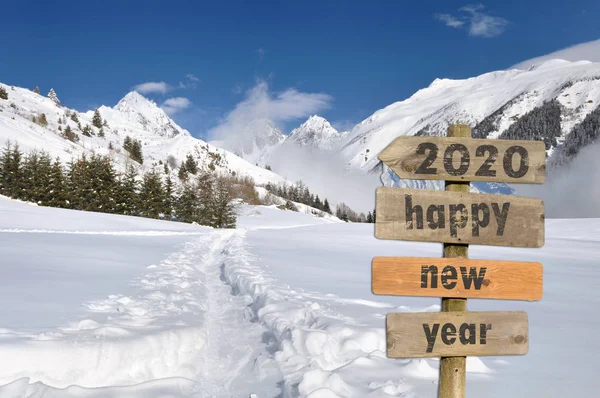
(549, 101)
(316, 132)
(135, 116)
(260, 141)
(255, 142)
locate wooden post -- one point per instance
(453, 369)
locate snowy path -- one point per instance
(183, 322)
(277, 308)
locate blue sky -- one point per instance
(341, 59)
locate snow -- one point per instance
(133, 116)
(588, 51)
(431, 110)
(108, 305)
(316, 132)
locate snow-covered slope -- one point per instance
(490, 103)
(316, 132)
(98, 305)
(134, 116)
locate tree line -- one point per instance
(91, 183)
(300, 193)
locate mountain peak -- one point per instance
(139, 109)
(133, 99)
(316, 132)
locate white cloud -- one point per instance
(261, 103)
(176, 104)
(589, 51)
(343, 125)
(482, 24)
(479, 23)
(572, 190)
(191, 81)
(449, 20)
(152, 87)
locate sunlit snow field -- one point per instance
(111, 306)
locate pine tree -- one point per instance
(187, 205)
(106, 184)
(4, 168)
(101, 133)
(127, 195)
(127, 143)
(11, 172)
(82, 188)
(168, 205)
(182, 173)
(42, 120)
(28, 186)
(206, 195)
(3, 93)
(97, 119)
(326, 207)
(152, 196)
(318, 204)
(70, 135)
(374, 215)
(74, 117)
(369, 217)
(58, 186)
(87, 130)
(36, 90)
(191, 165)
(136, 152)
(52, 95)
(223, 211)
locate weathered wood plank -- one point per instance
(449, 334)
(457, 277)
(459, 217)
(466, 159)
(453, 370)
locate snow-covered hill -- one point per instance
(135, 116)
(490, 103)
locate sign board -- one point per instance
(466, 159)
(459, 217)
(456, 334)
(457, 278)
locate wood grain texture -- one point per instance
(448, 217)
(457, 278)
(498, 333)
(408, 158)
(453, 370)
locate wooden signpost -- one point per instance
(457, 218)
(457, 277)
(466, 159)
(447, 334)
